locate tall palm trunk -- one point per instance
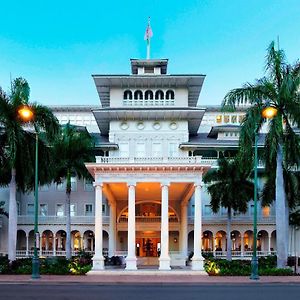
(229, 254)
(12, 221)
(281, 212)
(68, 217)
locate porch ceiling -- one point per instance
(150, 191)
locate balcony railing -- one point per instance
(215, 219)
(221, 254)
(90, 220)
(186, 160)
(146, 219)
(56, 220)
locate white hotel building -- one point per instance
(154, 142)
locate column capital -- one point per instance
(98, 184)
(198, 184)
(131, 183)
(165, 183)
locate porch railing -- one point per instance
(57, 220)
(146, 219)
(221, 254)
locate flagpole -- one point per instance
(148, 48)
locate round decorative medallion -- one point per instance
(156, 125)
(173, 125)
(140, 125)
(124, 125)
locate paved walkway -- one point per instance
(144, 277)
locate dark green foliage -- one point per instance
(266, 267)
(229, 186)
(279, 89)
(17, 145)
(78, 265)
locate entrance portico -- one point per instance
(127, 184)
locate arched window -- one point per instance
(138, 95)
(127, 95)
(159, 95)
(170, 95)
(148, 95)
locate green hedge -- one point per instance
(266, 267)
(78, 265)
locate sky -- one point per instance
(56, 45)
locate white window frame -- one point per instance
(56, 209)
(88, 213)
(40, 209)
(27, 211)
(75, 209)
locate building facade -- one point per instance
(148, 204)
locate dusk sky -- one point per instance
(57, 45)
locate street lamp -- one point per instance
(268, 112)
(26, 114)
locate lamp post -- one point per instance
(268, 112)
(254, 261)
(27, 115)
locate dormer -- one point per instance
(149, 66)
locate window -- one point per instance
(140, 150)
(233, 119)
(241, 119)
(173, 149)
(159, 95)
(156, 150)
(149, 70)
(74, 184)
(207, 210)
(170, 95)
(128, 95)
(252, 210)
(43, 210)
(103, 208)
(148, 95)
(124, 149)
(219, 119)
(44, 188)
(88, 185)
(18, 208)
(60, 210)
(30, 209)
(138, 95)
(226, 119)
(61, 186)
(266, 211)
(73, 210)
(89, 209)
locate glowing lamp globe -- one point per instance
(25, 113)
(269, 112)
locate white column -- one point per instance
(242, 245)
(131, 258)
(269, 244)
(112, 229)
(197, 260)
(54, 245)
(27, 244)
(183, 231)
(98, 259)
(213, 245)
(164, 259)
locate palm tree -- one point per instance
(279, 89)
(229, 187)
(72, 148)
(2, 210)
(17, 148)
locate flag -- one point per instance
(148, 33)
